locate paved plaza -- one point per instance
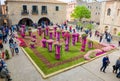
(23, 70)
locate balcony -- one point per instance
(44, 13)
(35, 12)
(24, 12)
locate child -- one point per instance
(16, 48)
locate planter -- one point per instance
(58, 49)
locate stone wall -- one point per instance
(15, 8)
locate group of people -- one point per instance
(4, 72)
(107, 36)
(13, 46)
(7, 35)
(116, 66)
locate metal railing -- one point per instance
(24, 12)
(34, 12)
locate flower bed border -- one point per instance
(65, 69)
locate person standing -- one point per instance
(16, 48)
(105, 63)
(90, 33)
(101, 37)
(117, 65)
(109, 38)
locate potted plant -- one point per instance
(7, 54)
(84, 36)
(90, 44)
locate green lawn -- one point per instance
(74, 51)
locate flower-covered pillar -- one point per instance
(39, 31)
(90, 44)
(50, 35)
(47, 31)
(73, 30)
(58, 49)
(63, 32)
(23, 31)
(50, 42)
(67, 39)
(73, 39)
(77, 37)
(55, 29)
(58, 35)
(84, 40)
(32, 44)
(34, 36)
(44, 43)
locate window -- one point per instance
(25, 7)
(96, 13)
(109, 12)
(25, 11)
(34, 8)
(44, 10)
(118, 12)
(88, 6)
(57, 8)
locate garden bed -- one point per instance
(46, 61)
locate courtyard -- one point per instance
(25, 70)
(59, 40)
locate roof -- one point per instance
(42, 1)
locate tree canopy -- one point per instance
(81, 12)
(89, 26)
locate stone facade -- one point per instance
(70, 7)
(110, 17)
(3, 15)
(15, 11)
(94, 7)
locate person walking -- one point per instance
(105, 63)
(117, 65)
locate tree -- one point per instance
(81, 12)
(89, 26)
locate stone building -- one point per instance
(70, 7)
(3, 15)
(36, 11)
(94, 7)
(110, 17)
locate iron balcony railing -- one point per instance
(24, 12)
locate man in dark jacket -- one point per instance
(105, 63)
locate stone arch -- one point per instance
(44, 20)
(114, 30)
(25, 21)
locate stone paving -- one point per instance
(22, 70)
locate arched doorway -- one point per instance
(26, 21)
(44, 20)
(114, 30)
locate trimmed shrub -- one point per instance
(7, 54)
(118, 33)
